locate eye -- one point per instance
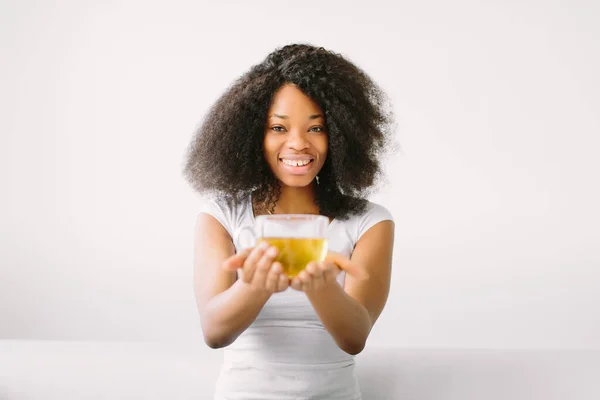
(317, 129)
(278, 128)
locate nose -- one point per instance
(297, 140)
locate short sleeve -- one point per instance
(374, 214)
(219, 212)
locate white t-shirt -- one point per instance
(286, 353)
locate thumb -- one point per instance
(236, 261)
(347, 265)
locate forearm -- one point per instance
(230, 313)
(346, 320)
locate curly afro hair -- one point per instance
(226, 154)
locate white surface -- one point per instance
(92, 371)
(494, 193)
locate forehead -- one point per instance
(291, 101)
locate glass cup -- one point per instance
(300, 238)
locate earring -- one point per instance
(317, 179)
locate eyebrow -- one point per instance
(315, 116)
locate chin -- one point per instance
(296, 181)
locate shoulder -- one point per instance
(373, 214)
(226, 210)
(359, 223)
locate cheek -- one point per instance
(269, 147)
(322, 147)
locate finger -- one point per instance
(305, 280)
(296, 284)
(284, 282)
(316, 275)
(252, 260)
(329, 270)
(263, 266)
(346, 265)
(273, 276)
(236, 261)
(313, 270)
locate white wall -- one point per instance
(495, 192)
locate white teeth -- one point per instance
(295, 163)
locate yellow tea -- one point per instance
(296, 253)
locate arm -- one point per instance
(226, 306)
(349, 313)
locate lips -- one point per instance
(296, 164)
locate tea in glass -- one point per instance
(300, 238)
(296, 253)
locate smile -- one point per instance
(295, 163)
(297, 166)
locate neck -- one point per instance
(297, 200)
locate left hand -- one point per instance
(318, 276)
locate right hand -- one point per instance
(259, 269)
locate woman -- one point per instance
(300, 133)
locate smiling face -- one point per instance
(295, 142)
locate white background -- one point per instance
(495, 190)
